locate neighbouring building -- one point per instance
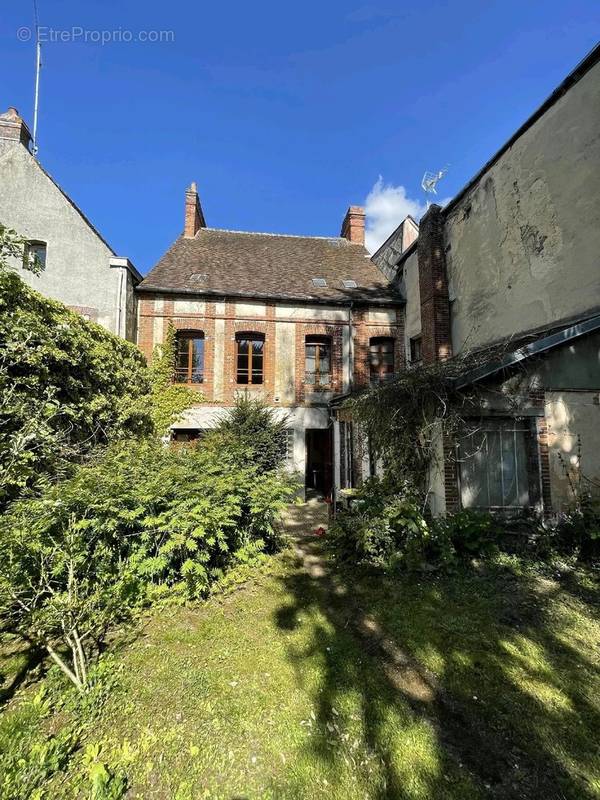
(295, 320)
(81, 269)
(509, 271)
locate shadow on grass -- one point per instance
(509, 706)
(18, 663)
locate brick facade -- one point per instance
(433, 287)
(364, 331)
(157, 311)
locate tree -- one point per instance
(66, 384)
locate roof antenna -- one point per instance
(430, 181)
(38, 67)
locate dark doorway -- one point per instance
(319, 468)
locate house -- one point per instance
(295, 320)
(509, 273)
(81, 269)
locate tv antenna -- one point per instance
(431, 179)
(38, 67)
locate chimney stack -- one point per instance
(13, 130)
(353, 226)
(194, 218)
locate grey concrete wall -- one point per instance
(78, 271)
(523, 245)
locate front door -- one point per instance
(319, 468)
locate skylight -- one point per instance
(199, 277)
(320, 282)
(349, 284)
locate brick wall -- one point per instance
(363, 332)
(154, 318)
(433, 288)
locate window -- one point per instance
(189, 362)
(320, 282)
(493, 461)
(34, 255)
(349, 284)
(250, 356)
(318, 361)
(381, 359)
(416, 354)
(188, 435)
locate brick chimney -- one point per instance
(433, 288)
(353, 226)
(13, 130)
(194, 217)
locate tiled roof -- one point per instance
(268, 265)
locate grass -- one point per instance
(297, 684)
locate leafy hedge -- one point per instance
(388, 528)
(142, 521)
(66, 386)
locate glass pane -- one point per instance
(508, 467)
(324, 358)
(242, 346)
(494, 467)
(473, 471)
(257, 346)
(197, 371)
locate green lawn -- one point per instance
(484, 683)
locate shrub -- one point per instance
(66, 386)
(387, 530)
(469, 533)
(139, 520)
(253, 432)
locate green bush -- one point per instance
(252, 431)
(387, 531)
(387, 527)
(578, 530)
(470, 533)
(141, 520)
(66, 386)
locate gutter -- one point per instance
(527, 351)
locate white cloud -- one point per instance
(386, 206)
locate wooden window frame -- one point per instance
(318, 339)
(27, 251)
(414, 343)
(191, 337)
(250, 337)
(379, 376)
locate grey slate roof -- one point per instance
(222, 262)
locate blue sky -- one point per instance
(283, 113)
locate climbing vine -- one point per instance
(168, 400)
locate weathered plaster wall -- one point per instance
(77, 272)
(285, 367)
(574, 443)
(412, 311)
(522, 246)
